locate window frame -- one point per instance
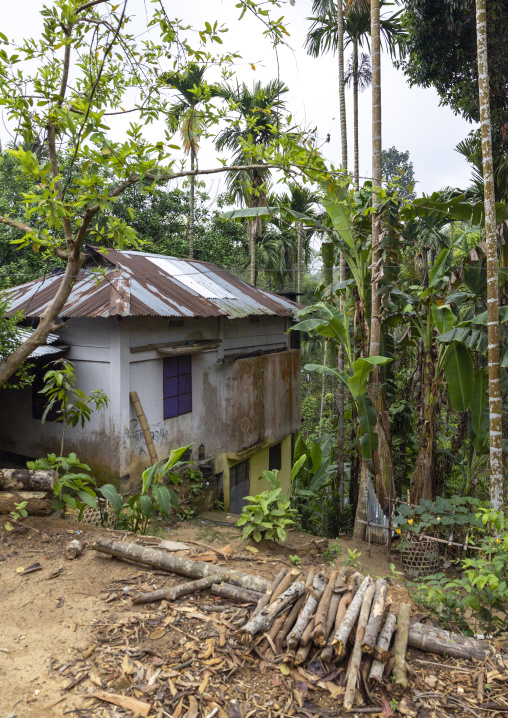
(176, 386)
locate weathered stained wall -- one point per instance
(262, 399)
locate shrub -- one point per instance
(267, 516)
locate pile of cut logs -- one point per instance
(33, 486)
(329, 619)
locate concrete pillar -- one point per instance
(120, 410)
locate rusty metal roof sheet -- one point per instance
(139, 284)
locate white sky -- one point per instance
(412, 117)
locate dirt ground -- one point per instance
(69, 630)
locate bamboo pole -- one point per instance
(144, 426)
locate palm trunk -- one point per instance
(343, 140)
(422, 480)
(495, 406)
(299, 257)
(251, 234)
(355, 113)
(375, 324)
(191, 207)
(342, 89)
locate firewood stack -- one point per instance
(342, 621)
(330, 620)
(33, 486)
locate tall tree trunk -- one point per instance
(375, 323)
(343, 141)
(190, 230)
(355, 113)
(495, 406)
(251, 234)
(422, 480)
(342, 88)
(299, 256)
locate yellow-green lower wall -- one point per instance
(258, 462)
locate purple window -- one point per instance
(177, 378)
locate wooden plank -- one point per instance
(168, 345)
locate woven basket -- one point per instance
(104, 515)
(420, 557)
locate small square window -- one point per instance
(177, 386)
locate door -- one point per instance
(239, 486)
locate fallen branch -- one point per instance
(27, 480)
(265, 598)
(38, 503)
(176, 564)
(235, 593)
(425, 639)
(171, 594)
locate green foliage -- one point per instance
(72, 405)
(477, 599)
(352, 558)
(266, 517)
(398, 169)
(75, 489)
(331, 553)
(140, 508)
(443, 516)
(295, 560)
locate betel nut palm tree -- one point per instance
(187, 116)
(259, 112)
(323, 35)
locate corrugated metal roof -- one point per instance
(44, 350)
(140, 284)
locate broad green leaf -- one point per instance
(478, 404)
(438, 270)
(162, 499)
(145, 503)
(340, 218)
(87, 499)
(175, 456)
(367, 420)
(459, 373)
(443, 318)
(482, 318)
(330, 371)
(361, 369)
(297, 466)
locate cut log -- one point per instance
(400, 647)
(381, 649)
(356, 656)
(344, 603)
(236, 593)
(376, 616)
(427, 638)
(307, 634)
(290, 621)
(302, 654)
(27, 480)
(346, 625)
(318, 587)
(318, 635)
(73, 549)
(263, 621)
(285, 583)
(38, 503)
(265, 598)
(332, 610)
(176, 564)
(171, 594)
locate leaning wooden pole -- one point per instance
(495, 405)
(144, 426)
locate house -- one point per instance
(208, 355)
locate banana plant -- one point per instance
(328, 321)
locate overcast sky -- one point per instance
(412, 117)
